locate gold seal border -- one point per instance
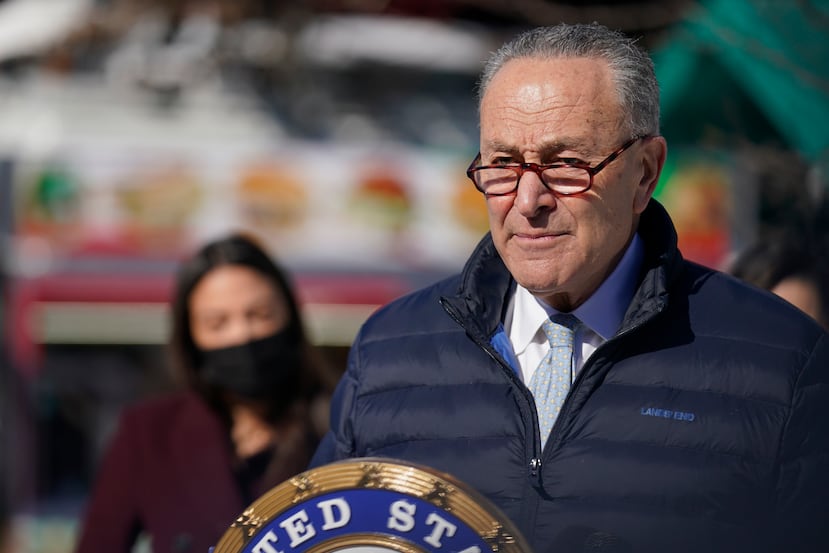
(419, 481)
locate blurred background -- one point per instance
(338, 132)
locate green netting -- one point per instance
(749, 70)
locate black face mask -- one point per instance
(267, 368)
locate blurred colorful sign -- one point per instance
(317, 204)
(696, 191)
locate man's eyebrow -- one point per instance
(495, 146)
(565, 143)
(552, 147)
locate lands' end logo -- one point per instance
(667, 414)
(371, 506)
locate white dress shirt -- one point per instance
(601, 315)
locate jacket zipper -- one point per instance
(536, 456)
(534, 465)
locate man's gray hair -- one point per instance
(631, 66)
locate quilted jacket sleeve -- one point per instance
(803, 484)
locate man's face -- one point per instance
(562, 248)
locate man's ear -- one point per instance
(654, 152)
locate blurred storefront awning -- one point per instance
(96, 308)
(749, 68)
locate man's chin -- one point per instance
(538, 276)
(542, 289)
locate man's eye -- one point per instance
(503, 161)
(571, 161)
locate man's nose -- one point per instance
(532, 196)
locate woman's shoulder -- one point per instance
(166, 407)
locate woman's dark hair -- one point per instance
(776, 257)
(299, 409)
(235, 249)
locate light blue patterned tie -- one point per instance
(551, 380)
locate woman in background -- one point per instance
(180, 468)
(792, 267)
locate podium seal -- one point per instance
(372, 505)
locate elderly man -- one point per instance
(603, 392)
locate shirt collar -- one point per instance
(527, 316)
(602, 312)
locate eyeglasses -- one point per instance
(564, 179)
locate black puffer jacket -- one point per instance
(702, 426)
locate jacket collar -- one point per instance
(661, 267)
(486, 284)
(483, 290)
